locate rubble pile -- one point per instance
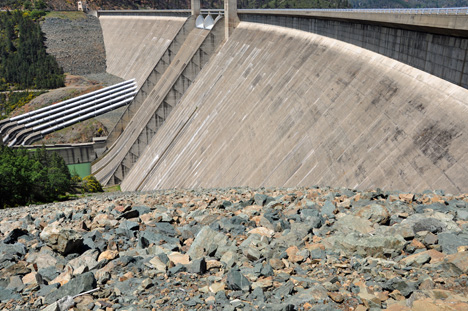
(238, 249)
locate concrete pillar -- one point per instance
(195, 5)
(231, 20)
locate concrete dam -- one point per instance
(289, 98)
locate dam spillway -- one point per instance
(282, 107)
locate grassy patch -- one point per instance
(66, 15)
(115, 188)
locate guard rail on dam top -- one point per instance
(32, 126)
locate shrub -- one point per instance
(91, 184)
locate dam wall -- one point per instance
(435, 44)
(197, 48)
(283, 107)
(156, 73)
(134, 44)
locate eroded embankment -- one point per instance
(279, 107)
(135, 44)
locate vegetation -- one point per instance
(37, 177)
(91, 184)
(12, 100)
(61, 5)
(180, 4)
(24, 63)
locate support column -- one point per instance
(195, 6)
(231, 20)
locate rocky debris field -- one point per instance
(238, 249)
(76, 43)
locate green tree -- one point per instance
(27, 177)
(24, 62)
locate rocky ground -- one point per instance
(238, 249)
(76, 41)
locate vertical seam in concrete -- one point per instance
(463, 69)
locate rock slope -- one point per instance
(238, 249)
(77, 44)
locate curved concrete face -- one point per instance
(280, 107)
(135, 44)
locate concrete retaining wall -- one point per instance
(281, 107)
(442, 55)
(72, 154)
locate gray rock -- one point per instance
(177, 269)
(284, 291)
(328, 208)
(64, 241)
(317, 253)
(237, 281)
(253, 254)
(405, 287)
(257, 294)
(142, 209)
(15, 250)
(75, 286)
(312, 217)
(315, 294)
(13, 236)
(129, 225)
(263, 200)
(368, 245)
(15, 283)
(267, 270)
(376, 213)
(451, 241)
(350, 223)
(165, 229)
(204, 239)
(7, 294)
(221, 298)
(429, 224)
(198, 266)
(462, 214)
(439, 207)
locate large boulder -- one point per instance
(366, 245)
(63, 241)
(78, 285)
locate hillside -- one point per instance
(65, 5)
(61, 5)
